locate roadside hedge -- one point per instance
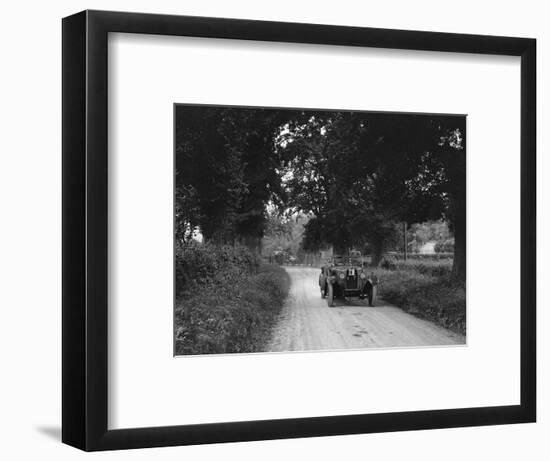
(426, 292)
(227, 299)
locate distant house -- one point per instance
(428, 248)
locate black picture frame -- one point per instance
(85, 219)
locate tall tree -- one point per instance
(451, 154)
(225, 160)
(357, 173)
(206, 166)
(361, 173)
(250, 134)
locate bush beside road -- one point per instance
(424, 289)
(227, 299)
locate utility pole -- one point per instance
(405, 240)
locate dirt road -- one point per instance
(307, 323)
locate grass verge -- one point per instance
(428, 296)
(227, 300)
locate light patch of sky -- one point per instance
(270, 207)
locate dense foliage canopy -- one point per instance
(353, 174)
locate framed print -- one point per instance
(278, 230)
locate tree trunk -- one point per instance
(377, 252)
(252, 242)
(459, 260)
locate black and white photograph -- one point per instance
(317, 229)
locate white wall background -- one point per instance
(30, 241)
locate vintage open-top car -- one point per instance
(345, 277)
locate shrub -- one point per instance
(227, 300)
(426, 291)
(388, 265)
(204, 264)
(445, 246)
(435, 268)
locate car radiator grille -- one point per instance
(351, 282)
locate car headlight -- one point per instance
(363, 276)
(342, 276)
